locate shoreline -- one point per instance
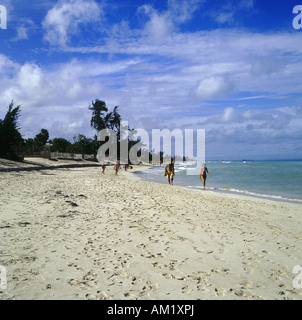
(241, 193)
(37, 164)
(46, 164)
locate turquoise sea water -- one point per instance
(273, 179)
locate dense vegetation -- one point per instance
(10, 137)
(13, 146)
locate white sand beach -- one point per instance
(79, 234)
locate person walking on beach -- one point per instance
(169, 171)
(203, 175)
(103, 167)
(116, 167)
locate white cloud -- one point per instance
(30, 78)
(212, 87)
(229, 14)
(257, 133)
(182, 11)
(163, 24)
(159, 26)
(246, 4)
(22, 33)
(6, 65)
(268, 64)
(66, 17)
(57, 97)
(178, 81)
(24, 29)
(228, 114)
(159, 75)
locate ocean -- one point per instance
(280, 180)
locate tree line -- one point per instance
(13, 146)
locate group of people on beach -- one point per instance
(117, 167)
(169, 171)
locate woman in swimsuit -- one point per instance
(169, 171)
(203, 175)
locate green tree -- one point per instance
(10, 137)
(100, 118)
(60, 145)
(103, 119)
(29, 146)
(115, 122)
(82, 145)
(41, 138)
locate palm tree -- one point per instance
(102, 119)
(98, 120)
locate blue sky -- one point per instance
(231, 67)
